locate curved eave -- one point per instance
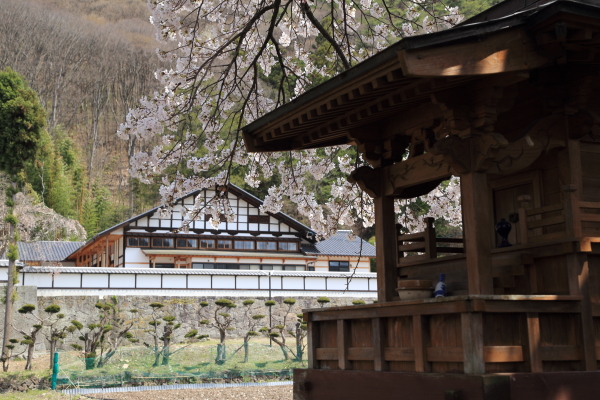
(282, 128)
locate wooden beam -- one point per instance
(477, 230)
(485, 56)
(386, 248)
(472, 338)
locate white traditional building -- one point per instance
(254, 241)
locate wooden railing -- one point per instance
(425, 242)
(534, 222)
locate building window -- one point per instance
(222, 218)
(162, 242)
(258, 219)
(207, 244)
(203, 266)
(187, 243)
(288, 246)
(339, 266)
(243, 245)
(223, 244)
(164, 265)
(138, 242)
(260, 245)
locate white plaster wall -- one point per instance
(336, 283)
(39, 280)
(134, 258)
(315, 283)
(95, 280)
(247, 282)
(173, 281)
(122, 280)
(293, 282)
(199, 282)
(67, 280)
(223, 282)
(148, 281)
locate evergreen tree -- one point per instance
(22, 121)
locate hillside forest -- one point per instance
(90, 61)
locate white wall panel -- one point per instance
(122, 280)
(359, 284)
(199, 282)
(336, 283)
(293, 283)
(39, 280)
(148, 281)
(173, 281)
(94, 281)
(315, 283)
(223, 282)
(67, 280)
(373, 284)
(247, 282)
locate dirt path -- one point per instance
(235, 393)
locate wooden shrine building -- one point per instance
(509, 102)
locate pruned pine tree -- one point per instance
(50, 321)
(105, 334)
(163, 338)
(277, 333)
(299, 333)
(222, 321)
(251, 323)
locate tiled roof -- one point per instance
(185, 271)
(340, 245)
(47, 250)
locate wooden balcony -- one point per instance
(461, 334)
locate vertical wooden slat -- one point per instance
(312, 338)
(523, 206)
(420, 340)
(379, 344)
(430, 239)
(587, 322)
(106, 260)
(343, 343)
(477, 232)
(472, 338)
(386, 248)
(534, 339)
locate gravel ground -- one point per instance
(234, 393)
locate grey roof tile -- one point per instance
(47, 251)
(340, 245)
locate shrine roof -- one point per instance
(404, 76)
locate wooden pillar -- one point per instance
(534, 342)
(343, 343)
(420, 343)
(430, 238)
(379, 344)
(579, 264)
(312, 339)
(472, 341)
(107, 256)
(386, 248)
(477, 232)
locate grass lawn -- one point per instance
(39, 395)
(135, 364)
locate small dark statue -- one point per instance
(503, 228)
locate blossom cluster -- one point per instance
(220, 52)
